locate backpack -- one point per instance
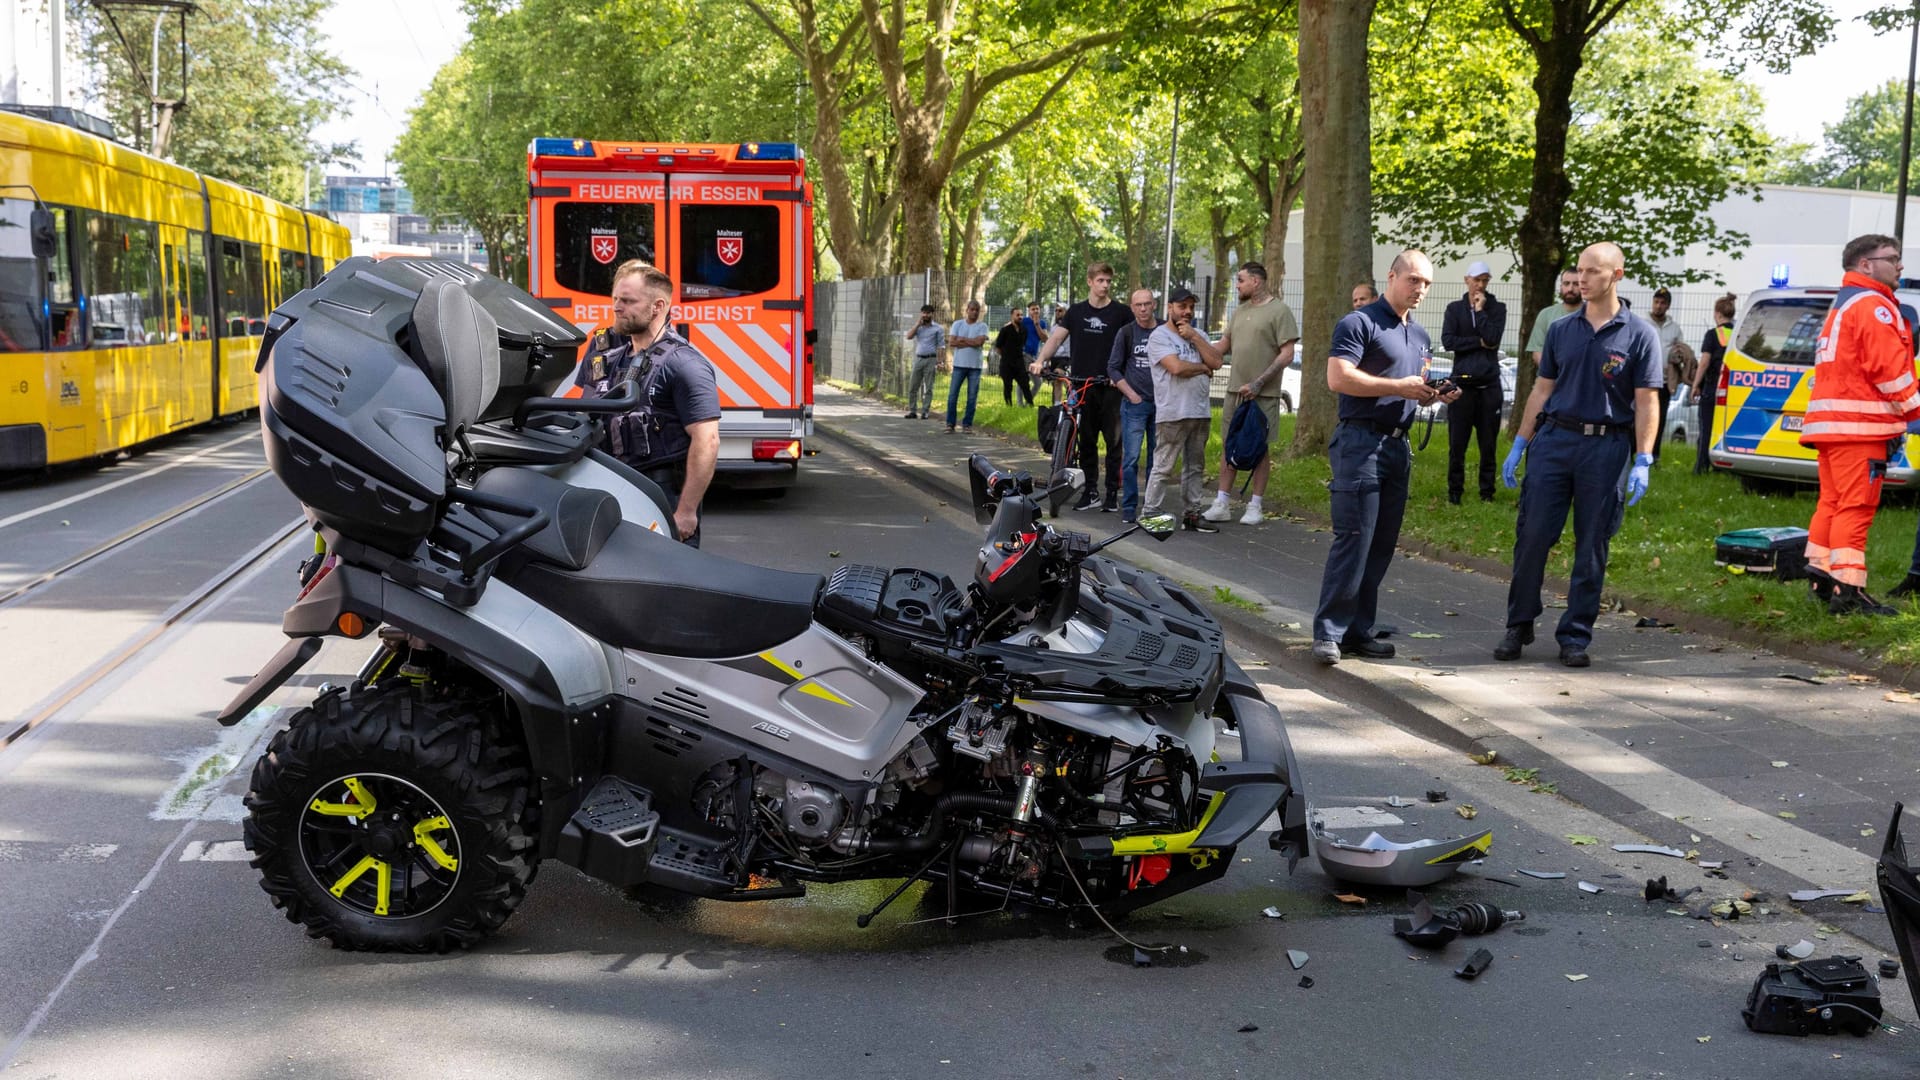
(1245, 444)
(1047, 425)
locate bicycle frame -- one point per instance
(1066, 440)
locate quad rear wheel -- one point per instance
(392, 819)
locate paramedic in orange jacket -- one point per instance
(1863, 395)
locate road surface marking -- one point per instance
(215, 851)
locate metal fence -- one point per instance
(863, 326)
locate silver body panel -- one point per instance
(581, 665)
(635, 506)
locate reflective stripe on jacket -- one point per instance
(1863, 376)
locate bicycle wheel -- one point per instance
(1064, 441)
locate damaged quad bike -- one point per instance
(553, 676)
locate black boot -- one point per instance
(1821, 584)
(1854, 600)
(1909, 586)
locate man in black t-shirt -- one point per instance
(1092, 325)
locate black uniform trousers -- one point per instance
(1475, 413)
(1100, 419)
(1369, 499)
(1567, 470)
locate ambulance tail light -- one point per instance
(1720, 391)
(562, 148)
(776, 449)
(768, 151)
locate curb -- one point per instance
(1895, 676)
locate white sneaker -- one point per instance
(1217, 512)
(1253, 516)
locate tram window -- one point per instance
(293, 272)
(123, 280)
(591, 239)
(256, 290)
(200, 318)
(233, 288)
(22, 326)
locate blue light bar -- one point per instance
(768, 151)
(562, 148)
(1779, 275)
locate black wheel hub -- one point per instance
(380, 845)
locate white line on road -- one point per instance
(123, 481)
(215, 851)
(13, 851)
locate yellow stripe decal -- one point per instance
(423, 836)
(1169, 843)
(1482, 844)
(814, 689)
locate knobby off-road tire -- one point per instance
(456, 754)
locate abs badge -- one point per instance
(730, 246)
(605, 245)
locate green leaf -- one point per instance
(1582, 840)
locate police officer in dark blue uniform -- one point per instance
(1378, 367)
(1596, 406)
(672, 436)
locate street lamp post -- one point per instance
(1173, 157)
(1906, 131)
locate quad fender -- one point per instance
(1263, 740)
(556, 677)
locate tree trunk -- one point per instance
(1335, 129)
(1222, 243)
(1541, 239)
(1273, 243)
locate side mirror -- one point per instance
(1159, 526)
(40, 226)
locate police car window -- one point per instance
(1782, 331)
(729, 250)
(591, 239)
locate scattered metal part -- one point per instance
(1588, 886)
(1805, 895)
(1297, 958)
(1399, 803)
(1718, 864)
(1650, 849)
(1889, 969)
(1306, 982)
(1244, 1028)
(1274, 913)
(1544, 875)
(1658, 890)
(1799, 951)
(1480, 961)
(1436, 795)
(1379, 861)
(1576, 978)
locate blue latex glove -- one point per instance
(1637, 479)
(1510, 469)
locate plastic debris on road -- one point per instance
(1801, 896)
(1651, 849)
(1544, 875)
(1297, 958)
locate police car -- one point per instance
(1760, 403)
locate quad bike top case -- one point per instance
(365, 376)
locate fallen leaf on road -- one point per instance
(1788, 814)
(1467, 810)
(1487, 758)
(1899, 697)
(1349, 898)
(1576, 978)
(1856, 898)
(1777, 613)
(1580, 840)
(833, 554)
(1702, 1038)
(1861, 679)
(1423, 634)
(1779, 764)
(1866, 832)
(1450, 613)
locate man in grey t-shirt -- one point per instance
(928, 338)
(1184, 362)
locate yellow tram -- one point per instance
(133, 292)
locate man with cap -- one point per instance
(1595, 409)
(1675, 357)
(1378, 367)
(1472, 330)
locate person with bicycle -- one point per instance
(1089, 327)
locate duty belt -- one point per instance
(1382, 427)
(1586, 429)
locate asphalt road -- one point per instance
(137, 943)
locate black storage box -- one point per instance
(1814, 996)
(1781, 552)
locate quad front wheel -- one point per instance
(390, 819)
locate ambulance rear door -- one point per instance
(736, 252)
(582, 225)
